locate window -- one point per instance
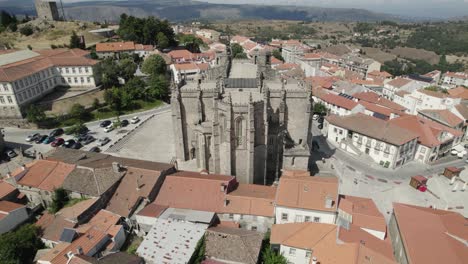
(317, 219)
(253, 228)
(20, 97)
(307, 219)
(80, 70)
(69, 80)
(308, 254)
(298, 218)
(88, 79)
(82, 80)
(66, 70)
(86, 69)
(231, 216)
(73, 70)
(284, 217)
(76, 79)
(423, 150)
(2, 100)
(292, 251)
(9, 99)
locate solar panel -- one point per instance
(67, 235)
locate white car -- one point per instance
(454, 152)
(109, 128)
(315, 117)
(32, 137)
(135, 120)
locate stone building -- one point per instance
(240, 119)
(47, 10)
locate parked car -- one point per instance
(104, 141)
(81, 137)
(49, 140)
(315, 117)
(124, 123)
(11, 153)
(57, 142)
(88, 140)
(105, 123)
(95, 149)
(56, 132)
(40, 139)
(109, 129)
(77, 145)
(135, 120)
(32, 137)
(69, 143)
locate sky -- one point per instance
(416, 8)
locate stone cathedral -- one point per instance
(240, 119)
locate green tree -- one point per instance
(271, 257)
(127, 68)
(190, 42)
(26, 30)
(108, 72)
(135, 88)
(162, 41)
(277, 54)
(20, 246)
(79, 112)
(154, 65)
(237, 51)
(96, 103)
(75, 42)
(113, 98)
(59, 199)
(6, 19)
(199, 252)
(35, 114)
(158, 87)
(13, 27)
(320, 108)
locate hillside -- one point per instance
(183, 10)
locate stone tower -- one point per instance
(47, 10)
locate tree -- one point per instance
(35, 114)
(78, 111)
(135, 88)
(59, 199)
(154, 65)
(26, 30)
(320, 108)
(127, 68)
(277, 54)
(13, 27)
(237, 51)
(20, 246)
(108, 72)
(158, 87)
(199, 252)
(75, 42)
(113, 98)
(162, 40)
(271, 257)
(191, 42)
(96, 103)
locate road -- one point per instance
(15, 138)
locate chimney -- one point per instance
(23, 167)
(223, 187)
(69, 255)
(328, 202)
(8, 175)
(452, 181)
(314, 260)
(116, 167)
(137, 184)
(79, 251)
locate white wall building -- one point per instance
(425, 99)
(26, 76)
(453, 79)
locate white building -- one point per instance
(306, 199)
(116, 49)
(11, 215)
(453, 79)
(210, 34)
(26, 76)
(384, 143)
(188, 70)
(339, 105)
(425, 99)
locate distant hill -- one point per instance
(183, 10)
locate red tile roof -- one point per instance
(152, 210)
(191, 66)
(6, 206)
(307, 192)
(115, 46)
(459, 92)
(337, 100)
(52, 226)
(444, 116)
(432, 236)
(399, 82)
(44, 174)
(251, 199)
(192, 190)
(181, 55)
(372, 97)
(382, 74)
(364, 212)
(6, 189)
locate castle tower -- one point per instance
(47, 10)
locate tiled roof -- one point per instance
(443, 116)
(434, 93)
(399, 82)
(376, 108)
(287, 66)
(6, 206)
(137, 184)
(374, 127)
(52, 226)
(463, 110)
(192, 190)
(427, 130)
(181, 54)
(115, 46)
(364, 212)
(152, 210)
(73, 212)
(251, 199)
(46, 59)
(104, 221)
(308, 192)
(44, 174)
(459, 75)
(383, 74)
(338, 100)
(459, 92)
(275, 61)
(91, 182)
(6, 189)
(191, 66)
(432, 236)
(233, 244)
(372, 97)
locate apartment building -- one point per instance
(453, 79)
(26, 76)
(425, 99)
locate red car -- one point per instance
(57, 142)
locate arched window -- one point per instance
(239, 123)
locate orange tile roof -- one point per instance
(191, 66)
(73, 212)
(364, 212)
(307, 192)
(459, 75)
(443, 115)
(382, 74)
(6, 206)
(287, 66)
(115, 46)
(372, 97)
(377, 109)
(6, 189)
(434, 93)
(275, 61)
(44, 174)
(427, 130)
(52, 226)
(249, 45)
(192, 190)
(251, 199)
(239, 39)
(399, 82)
(295, 173)
(136, 184)
(152, 210)
(311, 56)
(432, 236)
(103, 221)
(459, 92)
(181, 54)
(338, 100)
(325, 82)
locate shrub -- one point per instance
(27, 30)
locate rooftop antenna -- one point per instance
(63, 11)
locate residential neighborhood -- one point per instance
(145, 140)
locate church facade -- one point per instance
(240, 119)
